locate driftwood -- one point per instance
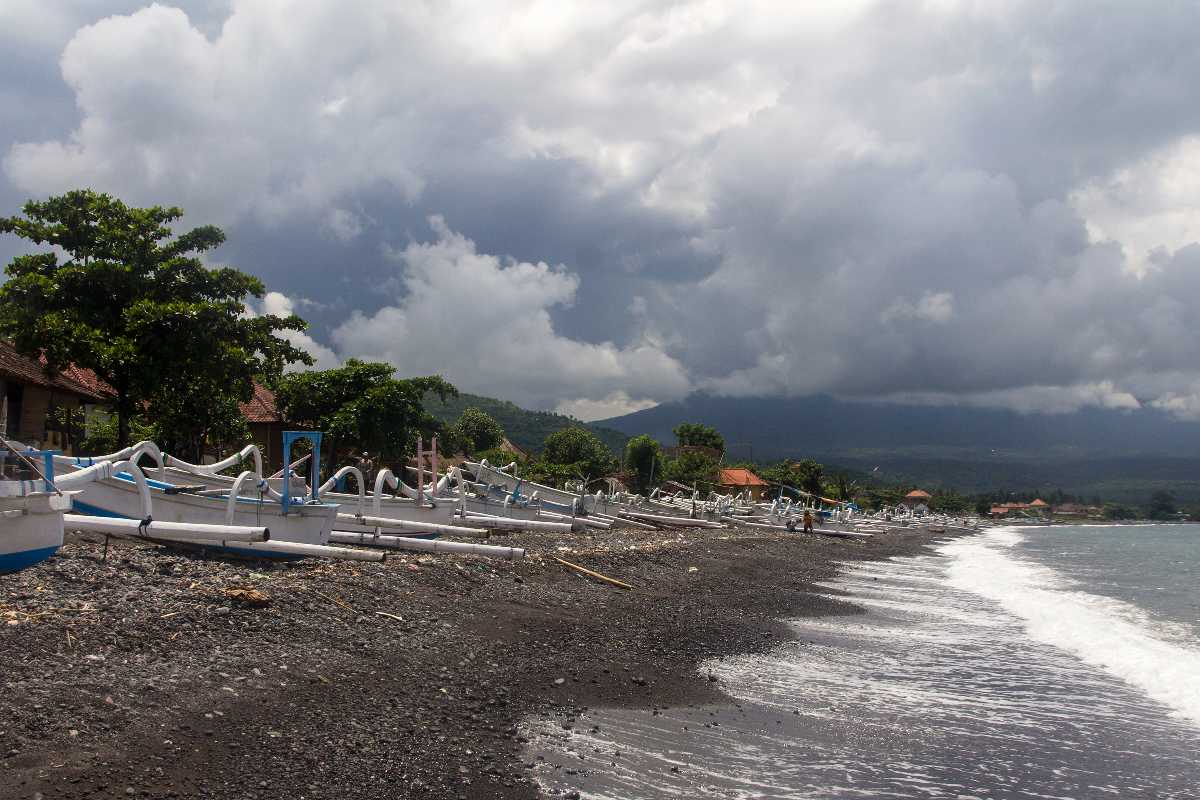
(595, 575)
(337, 601)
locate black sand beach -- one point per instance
(150, 675)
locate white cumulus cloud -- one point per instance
(484, 323)
(283, 306)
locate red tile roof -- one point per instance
(87, 379)
(85, 383)
(73, 380)
(918, 494)
(740, 477)
(261, 407)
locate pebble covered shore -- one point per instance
(156, 673)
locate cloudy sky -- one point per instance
(594, 207)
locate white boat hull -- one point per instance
(116, 497)
(31, 529)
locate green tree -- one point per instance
(692, 468)
(841, 487)
(101, 437)
(948, 501)
(499, 457)
(581, 451)
(475, 430)
(695, 434)
(121, 294)
(808, 475)
(643, 462)
(1161, 505)
(360, 406)
(188, 420)
(781, 475)
(1118, 511)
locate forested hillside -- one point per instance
(526, 429)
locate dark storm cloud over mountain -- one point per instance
(601, 206)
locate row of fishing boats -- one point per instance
(232, 506)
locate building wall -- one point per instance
(35, 404)
(30, 426)
(756, 492)
(269, 438)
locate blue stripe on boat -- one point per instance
(12, 562)
(242, 551)
(87, 509)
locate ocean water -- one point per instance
(1053, 662)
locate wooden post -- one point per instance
(420, 472)
(433, 466)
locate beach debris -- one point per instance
(337, 601)
(593, 574)
(247, 596)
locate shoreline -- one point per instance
(145, 676)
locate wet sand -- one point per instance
(147, 675)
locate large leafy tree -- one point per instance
(841, 487)
(474, 431)
(692, 468)
(695, 434)
(188, 420)
(809, 475)
(643, 462)
(122, 294)
(949, 501)
(580, 452)
(360, 406)
(1161, 505)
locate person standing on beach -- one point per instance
(808, 521)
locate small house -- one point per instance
(916, 499)
(736, 480)
(43, 409)
(266, 425)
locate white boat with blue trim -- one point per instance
(31, 509)
(114, 486)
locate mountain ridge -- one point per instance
(825, 425)
(1120, 455)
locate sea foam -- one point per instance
(1101, 631)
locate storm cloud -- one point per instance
(595, 207)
